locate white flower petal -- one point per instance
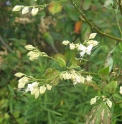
(37, 94)
(88, 78)
(81, 47)
(89, 48)
(21, 84)
(33, 55)
(25, 10)
(19, 74)
(34, 11)
(29, 47)
(72, 46)
(82, 53)
(92, 35)
(17, 8)
(109, 103)
(42, 89)
(93, 101)
(94, 42)
(48, 86)
(65, 42)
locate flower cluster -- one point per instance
(34, 53)
(25, 9)
(76, 77)
(90, 43)
(34, 87)
(106, 100)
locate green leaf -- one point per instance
(100, 114)
(51, 111)
(109, 59)
(117, 97)
(54, 8)
(86, 4)
(11, 90)
(48, 38)
(103, 73)
(61, 61)
(71, 12)
(111, 87)
(74, 66)
(109, 62)
(52, 76)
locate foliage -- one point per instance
(94, 96)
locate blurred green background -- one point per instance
(64, 104)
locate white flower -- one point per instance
(109, 103)
(33, 55)
(29, 47)
(120, 90)
(22, 82)
(17, 8)
(85, 49)
(72, 46)
(36, 94)
(80, 47)
(31, 86)
(78, 79)
(92, 35)
(48, 86)
(88, 78)
(42, 89)
(19, 74)
(65, 42)
(66, 76)
(43, 54)
(25, 10)
(34, 11)
(93, 100)
(94, 42)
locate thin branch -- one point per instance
(45, 5)
(118, 25)
(3, 42)
(120, 6)
(92, 25)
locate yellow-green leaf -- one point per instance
(54, 8)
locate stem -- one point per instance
(45, 5)
(90, 73)
(6, 45)
(92, 25)
(118, 24)
(120, 6)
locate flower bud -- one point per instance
(34, 11)
(94, 42)
(29, 47)
(92, 35)
(72, 46)
(42, 89)
(22, 82)
(48, 86)
(88, 78)
(25, 10)
(17, 8)
(19, 74)
(109, 103)
(65, 42)
(33, 55)
(93, 101)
